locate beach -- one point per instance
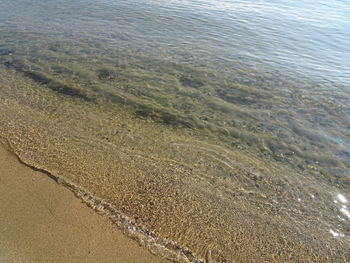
(42, 221)
(181, 129)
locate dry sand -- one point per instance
(41, 221)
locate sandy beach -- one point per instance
(41, 221)
(181, 131)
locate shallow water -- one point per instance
(213, 125)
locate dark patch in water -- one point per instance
(6, 52)
(106, 74)
(37, 77)
(60, 70)
(170, 119)
(116, 99)
(56, 86)
(164, 117)
(142, 113)
(346, 154)
(18, 65)
(240, 99)
(192, 82)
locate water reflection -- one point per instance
(342, 198)
(336, 234)
(342, 208)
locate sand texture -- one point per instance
(41, 221)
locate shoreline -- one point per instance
(169, 190)
(42, 221)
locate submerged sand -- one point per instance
(41, 221)
(179, 193)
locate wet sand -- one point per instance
(41, 221)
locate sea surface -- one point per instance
(208, 130)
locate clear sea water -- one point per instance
(223, 124)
